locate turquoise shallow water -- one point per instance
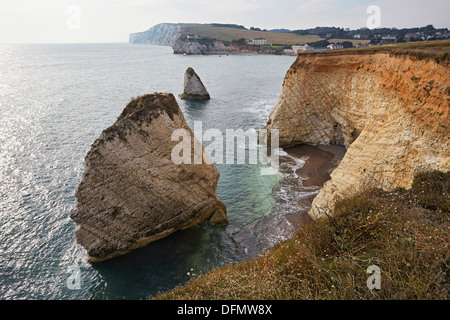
(55, 100)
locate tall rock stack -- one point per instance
(132, 193)
(193, 87)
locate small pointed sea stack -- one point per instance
(132, 192)
(193, 87)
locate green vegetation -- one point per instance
(233, 33)
(241, 41)
(206, 41)
(428, 32)
(190, 71)
(320, 43)
(404, 232)
(228, 25)
(274, 47)
(347, 44)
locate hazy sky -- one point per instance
(51, 21)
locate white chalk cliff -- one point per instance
(164, 34)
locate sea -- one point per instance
(56, 99)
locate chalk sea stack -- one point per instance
(132, 193)
(193, 87)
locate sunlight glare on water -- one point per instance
(55, 100)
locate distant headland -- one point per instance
(219, 39)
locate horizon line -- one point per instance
(94, 42)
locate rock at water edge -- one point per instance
(193, 87)
(132, 193)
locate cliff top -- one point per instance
(228, 34)
(437, 50)
(156, 101)
(134, 191)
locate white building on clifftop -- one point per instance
(334, 46)
(258, 42)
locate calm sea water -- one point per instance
(55, 100)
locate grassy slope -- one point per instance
(229, 34)
(405, 233)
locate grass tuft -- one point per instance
(404, 232)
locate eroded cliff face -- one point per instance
(164, 34)
(390, 111)
(132, 193)
(208, 46)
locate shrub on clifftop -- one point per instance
(404, 233)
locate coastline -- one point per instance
(307, 168)
(322, 160)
